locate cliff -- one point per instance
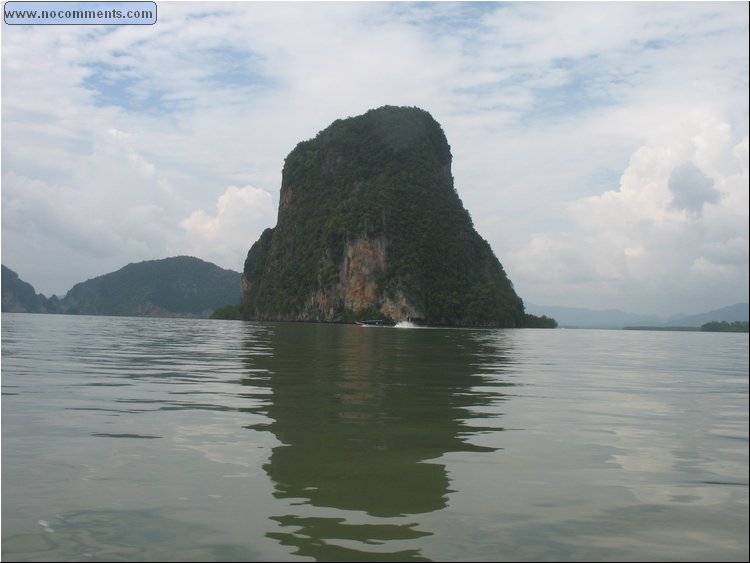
(370, 226)
(19, 296)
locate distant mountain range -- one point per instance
(614, 318)
(181, 286)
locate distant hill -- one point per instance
(180, 286)
(733, 313)
(614, 318)
(19, 296)
(590, 318)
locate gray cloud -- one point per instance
(691, 188)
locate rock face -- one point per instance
(19, 296)
(356, 289)
(370, 226)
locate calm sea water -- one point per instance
(131, 439)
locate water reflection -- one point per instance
(364, 415)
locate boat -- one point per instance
(373, 322)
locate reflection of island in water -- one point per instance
(360, 412)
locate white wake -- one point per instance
(406, 324)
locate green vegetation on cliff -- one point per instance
(375, 194)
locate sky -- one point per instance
(600, 148)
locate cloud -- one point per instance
(224, 238)
(569, 124)
(668, 232)
(691, 188)
(108, 208)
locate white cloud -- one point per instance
(647, 242)
(113, 137)
(224, 238)
(109, 209)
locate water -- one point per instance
(130, 439)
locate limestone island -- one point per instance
(370, 227)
